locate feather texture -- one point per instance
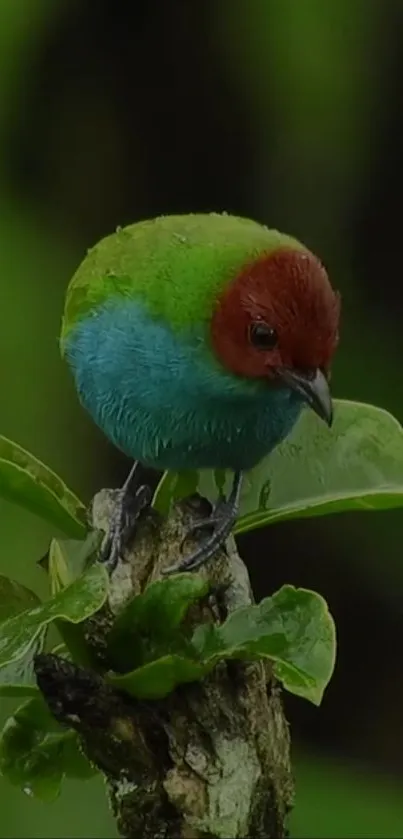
(165, 400)
(177, 266)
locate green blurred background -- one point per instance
(288, 111)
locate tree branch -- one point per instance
(210, 760)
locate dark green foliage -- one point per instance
(293, 628)
(152, 647)
(36, 753)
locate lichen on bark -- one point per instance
(211, 759)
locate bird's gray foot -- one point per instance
(220, 522)
(130, 502)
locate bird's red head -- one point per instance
(278, 320)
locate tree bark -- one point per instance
(210, 760)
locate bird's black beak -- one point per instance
(314, 389)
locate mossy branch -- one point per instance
(211, 759)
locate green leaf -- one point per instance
(356, 465)
(159, 678)
(174, 485)
(15, 598)
(148, 626)
(26, 481)
(36, 753)
(75, 763)
(58, 569)
(18, 678)
(74, 604)
(67, 559)
(64, 562)
(293, 628)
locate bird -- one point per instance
(194, 342)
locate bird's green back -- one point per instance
(176, 265)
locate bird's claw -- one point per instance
(128, 508)
(207, 549)
(142, 498)
(221, 522)
(219, 511)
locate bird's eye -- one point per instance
(262, 336)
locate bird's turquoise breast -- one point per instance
(165, 401)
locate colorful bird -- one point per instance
(194, 342)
